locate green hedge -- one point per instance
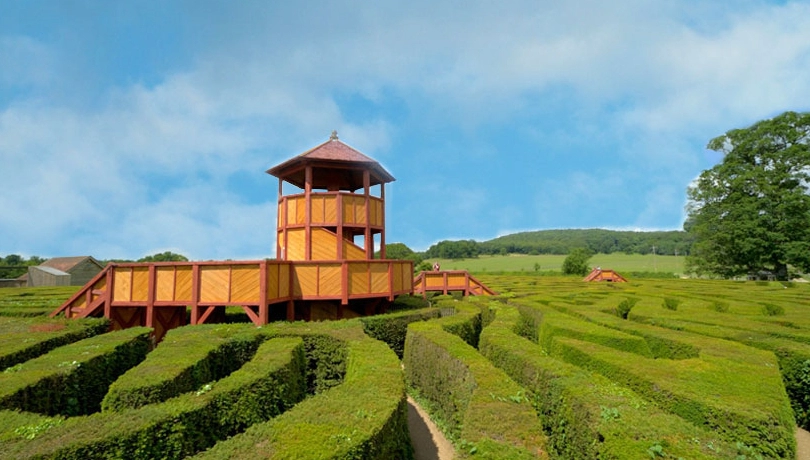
(585, 415)
(365, 417)
(187, 358)
(72, 380)
(556, 324)
(482, 410)
(24, 339)
(272, 382)
(741, 401)
(392, 328)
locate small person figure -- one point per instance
(436, 266)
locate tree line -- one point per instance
(597, 241)
(14, 265)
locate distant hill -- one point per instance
(673, 242)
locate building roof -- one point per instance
(51, 270)
(598, 274)
(335, 165)
(66, 264)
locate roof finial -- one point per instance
(333, 137)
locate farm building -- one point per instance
(598, 274)
(62, 271)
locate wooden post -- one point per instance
(195, 293)
(368, 241)
(110, 292)
(264, 313)
(382, 221)
(339, 211)
(150, 296)
(307, 213)
(344, 283)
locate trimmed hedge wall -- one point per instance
(24, 339)
(365, 417)
(714, 393)
(266, 386)
(585, 415)
(72, 380)
(187, 358)
(392, 328)
(483, 411)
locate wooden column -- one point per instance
(307, 213)
(339, 205)
(195, 294)
(368, 241)
(264, 313)
(281, 219)
(150, 296)
(382, 220)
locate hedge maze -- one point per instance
(552, 368)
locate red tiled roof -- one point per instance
(332, 152)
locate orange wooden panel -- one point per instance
(379, 278)
(272, 282)
(317, 210)
(295, 244)
(284, 273)
(245, 283)
(300, 210)
(164, 291)
(140, 284)
(358, 278)
(348, 209)
(330, 209)
(122, 280)
(329, 280)
(434, 280)
(281, 207)
(352, 251)
(214, 283)
(360, 210)
(406, 276)
(305, 280)
(182, 284)
(374, 212)
(455, 279)
(324, 244)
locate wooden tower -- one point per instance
(336, 217)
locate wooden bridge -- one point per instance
(159, 295)
(449, 281)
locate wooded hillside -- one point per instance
(562, 241)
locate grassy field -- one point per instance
(526, 263)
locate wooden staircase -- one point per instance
(449, 281)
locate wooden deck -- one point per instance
(449, 281)
(159, 294)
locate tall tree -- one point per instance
(751, 212)
(576, 263)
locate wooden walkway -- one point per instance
(449, 281)
(159, 294)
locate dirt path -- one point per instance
(428, 441)
(802, 444)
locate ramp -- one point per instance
(449, 281)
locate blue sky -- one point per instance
(129, 128)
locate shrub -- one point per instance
(671, 303)
(769, 309)
(624, 307)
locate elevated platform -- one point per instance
(159, 294)
(449, 281)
